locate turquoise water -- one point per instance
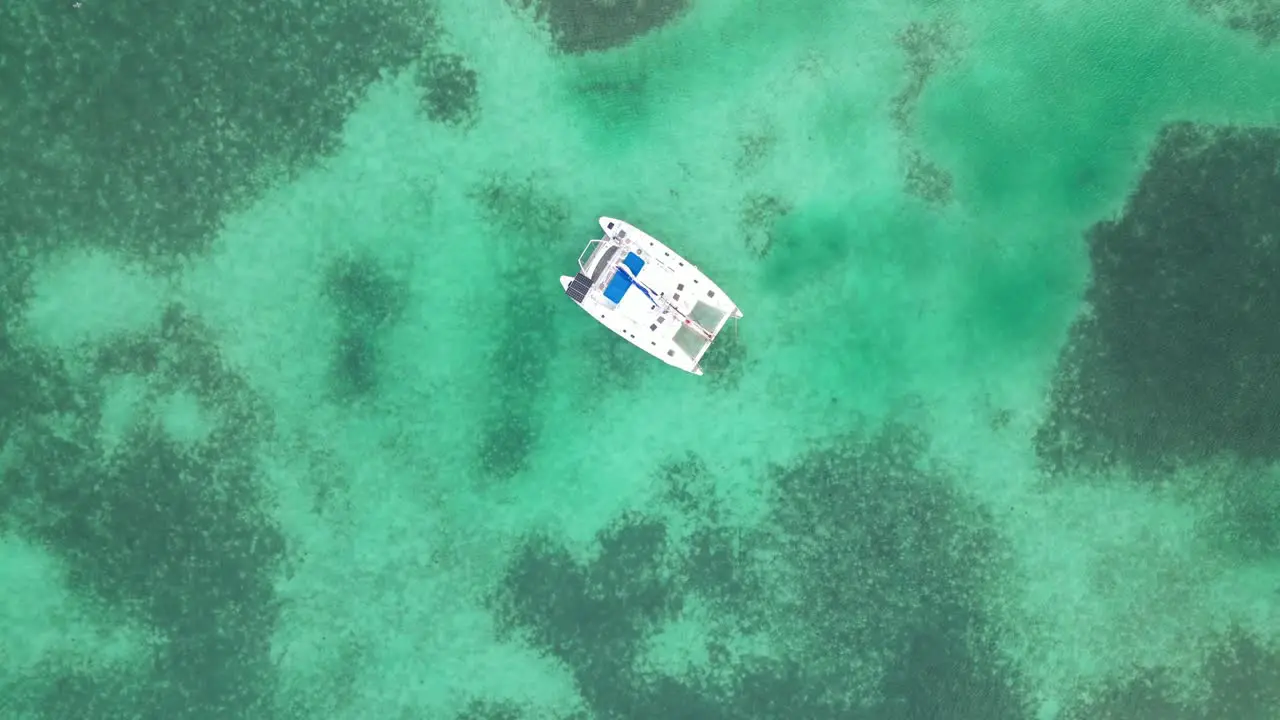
(295, 421)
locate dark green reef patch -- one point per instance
(885, 565)
(368, 300)
(173, 534)
(1260, 18)
(1176, 360)
(1243, 679)
(524, 221)
(580, 26)
(137, 125)
(449, 89)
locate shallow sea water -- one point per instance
(295, 421)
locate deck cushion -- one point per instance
(620, 283)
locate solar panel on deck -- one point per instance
(578, 287)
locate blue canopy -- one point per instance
(620, 283)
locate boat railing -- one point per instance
(598, 253)
(589, 252)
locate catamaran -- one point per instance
(656, 300)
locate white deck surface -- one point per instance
(691, 306)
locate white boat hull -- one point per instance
(648, 294)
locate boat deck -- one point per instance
(651, 296)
